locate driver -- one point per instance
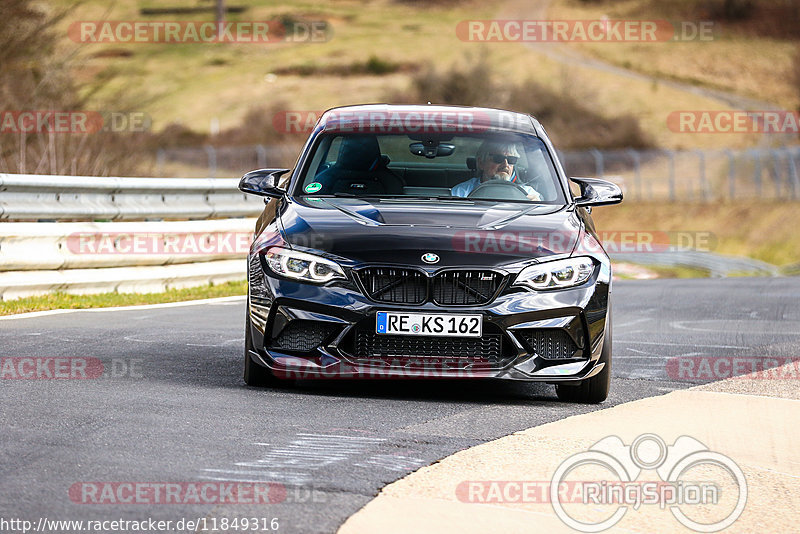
(495, 161)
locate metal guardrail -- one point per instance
(32, 246)
(139, 279)
(694, 175)
(40, 257)
(717, 265)
(143, 256)
(26, 197)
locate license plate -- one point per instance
(427, 324)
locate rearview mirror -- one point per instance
(597, 192)
(431, 149)
(263, 182)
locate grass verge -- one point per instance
(748, 61)
(58, 301)
(637, 271)
(679, 271)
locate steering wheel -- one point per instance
(499, 188)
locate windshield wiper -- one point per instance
(345, 194)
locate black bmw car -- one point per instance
(429, 242)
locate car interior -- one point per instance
(358, 165)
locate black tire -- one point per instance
(593, 390)
(254, 374)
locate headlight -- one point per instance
(556, 274)
(302, 266)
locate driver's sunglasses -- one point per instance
(499, 158)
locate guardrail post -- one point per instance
(261, 156)
(598, 162)
(23, 153)
(51, 149)
(637, 171)
(757, 171)
(731, 173)
(703, 184)
(776, 172)
(212, 160)
(793, 172)
(671, 155)
(161, 156)
(563, 160)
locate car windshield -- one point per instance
(499, 167)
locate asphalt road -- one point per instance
(171, 405)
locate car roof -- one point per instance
(394, 118)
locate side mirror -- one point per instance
(263, 182)
(597, 192)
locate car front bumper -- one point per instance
(306, 331)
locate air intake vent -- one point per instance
(302, 336)
(548, 343)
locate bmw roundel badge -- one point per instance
(430, 257)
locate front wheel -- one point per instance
(254, 374)
(592, 390)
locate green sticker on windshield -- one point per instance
(313, 187)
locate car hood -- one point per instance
(401, 231)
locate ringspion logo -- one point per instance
(690, 481)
